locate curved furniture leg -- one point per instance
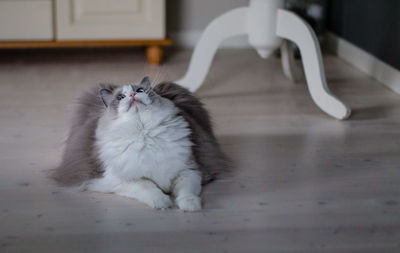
(227, 25)
(291, 70)
(291, 27)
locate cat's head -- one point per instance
(127, 97)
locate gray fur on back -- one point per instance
(206, 149)
(79, 162)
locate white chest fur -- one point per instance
(151, 144)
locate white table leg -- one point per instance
(291, 27)
(290, 68)
(227, 25)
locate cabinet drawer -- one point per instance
(26, 20)
(105, 19)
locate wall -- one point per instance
(186, 19)
(372, 25)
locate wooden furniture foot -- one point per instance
(154, 54)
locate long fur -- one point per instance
(80, 159)
(206, 150)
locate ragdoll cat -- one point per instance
(142, 143)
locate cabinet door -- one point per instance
(26, 20)
(105, 19)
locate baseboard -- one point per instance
(364, 61)
(188, 39)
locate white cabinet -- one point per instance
(84, 23)
(26, 20)
(105, 19)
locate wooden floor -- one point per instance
(303, 182)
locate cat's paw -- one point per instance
(189, 203)
(88, 186)
(96, 185)
(83, 187)
(160, 201)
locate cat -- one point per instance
(143, 143)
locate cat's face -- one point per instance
(129, 97)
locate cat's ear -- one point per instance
(106, 96)
(146, 82)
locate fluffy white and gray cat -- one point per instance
(143, 143)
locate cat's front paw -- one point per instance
(189, 203)
(161, 201)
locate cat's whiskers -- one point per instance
(156, 79)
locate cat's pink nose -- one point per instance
(132, 94)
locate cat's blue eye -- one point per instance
(120, 96)
(139, 90)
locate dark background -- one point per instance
(373, 25)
